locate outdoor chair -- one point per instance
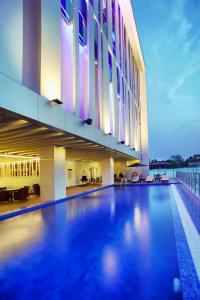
(123, 180)
(27, 188)
(84, 180)
(149, 179)
(157, 177)
(164, 178)
(135, 179)
(5, 196)
(20, 195)
(141, 178)
(36, 189)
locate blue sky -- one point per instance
(170, 36)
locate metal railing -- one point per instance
(191, 179)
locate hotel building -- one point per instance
(72, 93)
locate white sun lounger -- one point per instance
(149, 179)
(135, 179)
(164, 178)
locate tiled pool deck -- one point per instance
(187, 243)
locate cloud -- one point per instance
(174, 89)
(171, 41)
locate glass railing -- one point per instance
(191, 179)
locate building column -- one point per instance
(144, 124)
(50, 49)
(11, 39)
(76, 106)
(107, 166)
(91, 65)
(52, 173)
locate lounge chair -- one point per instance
(149, 179)
(36, 189)
(21, 195)
(135, 179)
(5, 196)
(164, 178)
(84, 180)
(123, 180)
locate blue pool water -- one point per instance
(117, 243)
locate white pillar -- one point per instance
(11, 39)
(50, 49)
(52, 173)
(144, 124)
(107, 166)
(91, 65)
(76, 105)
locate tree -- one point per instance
(177, 158)
(154, 160)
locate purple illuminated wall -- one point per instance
(67, 66)
(83, 82)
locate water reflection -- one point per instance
(137, 218)
(128, 232)
(110, 263)
(19, 233)
(82, 207)
(112, 207)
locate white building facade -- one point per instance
(84, 57)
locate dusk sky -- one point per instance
(170, 37)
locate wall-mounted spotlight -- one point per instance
(87, 121)
(55, 102)
(133, 148)
(122, 142)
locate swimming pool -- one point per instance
(118, 243)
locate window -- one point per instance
(96, 34)
(99, 11)
(83, 23)
(67, 10)
(110, 66)
(104, 8)
(113, 28)
(119, 28)
(118, 82)
(102, 56)
(92, 2)
(125, 54)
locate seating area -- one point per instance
(157, 178)
(11, 195)
(14, 199)
(85, 180)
